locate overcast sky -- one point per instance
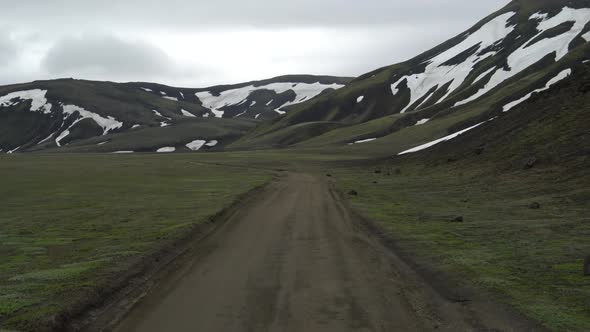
(199, 43)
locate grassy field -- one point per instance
(67, 222)
(530, 258)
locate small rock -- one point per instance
(375, 182)
(398, 171)
(535, 206)
(451, 160)
(378, 171)
(457, 219)
(353, 193)
(587, 266)
(480, 150)
(329, 175)
(531, 162)
(460, 299)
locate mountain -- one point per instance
(517, 52)
(260, 100)
(524, 49)
(76, 115)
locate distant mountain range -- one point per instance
(141, 117)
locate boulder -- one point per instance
(457, 219)
(530, 163)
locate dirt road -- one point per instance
(295, 259)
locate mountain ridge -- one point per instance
(73, 110)
(507, 55)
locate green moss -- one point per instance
(531, 259)
(69, 220)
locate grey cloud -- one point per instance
(187, 13)
(390, 31)
(8, 49)
(106, 56)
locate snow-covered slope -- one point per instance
(58, 113)
(523, 49)
(502, 48)
(258, 100)
(71, 114)
(244, 96)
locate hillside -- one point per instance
(521, 50)
(50, 115)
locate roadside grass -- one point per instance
(530, 258)
(67, 222)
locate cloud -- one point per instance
(182, 14)
(8, 49)
(103, 56)
(199, 43)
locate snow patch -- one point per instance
(102, 143)
(212, 143)
(539, 16)
(440, 140)
(240, 95)
(421, 122)
(257, 115)
(562, 75)
(365, 141)
(486, 73)
(586, 36)
(170, 98)
(135, 126)
(253, 103)
(61, 136)
(437, 74)
(36, 96)
(166, 149)
(528, 55)
(147, 90)
(123, 152)
(237, 116)
(196, 145)
(360, 99)
(47, 138)
(160, 115)
(107, 124)
(270, 102)
(164, 124)
(187, 113)
(181, 94)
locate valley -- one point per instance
(448, 192)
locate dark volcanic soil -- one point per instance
(296, 259)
